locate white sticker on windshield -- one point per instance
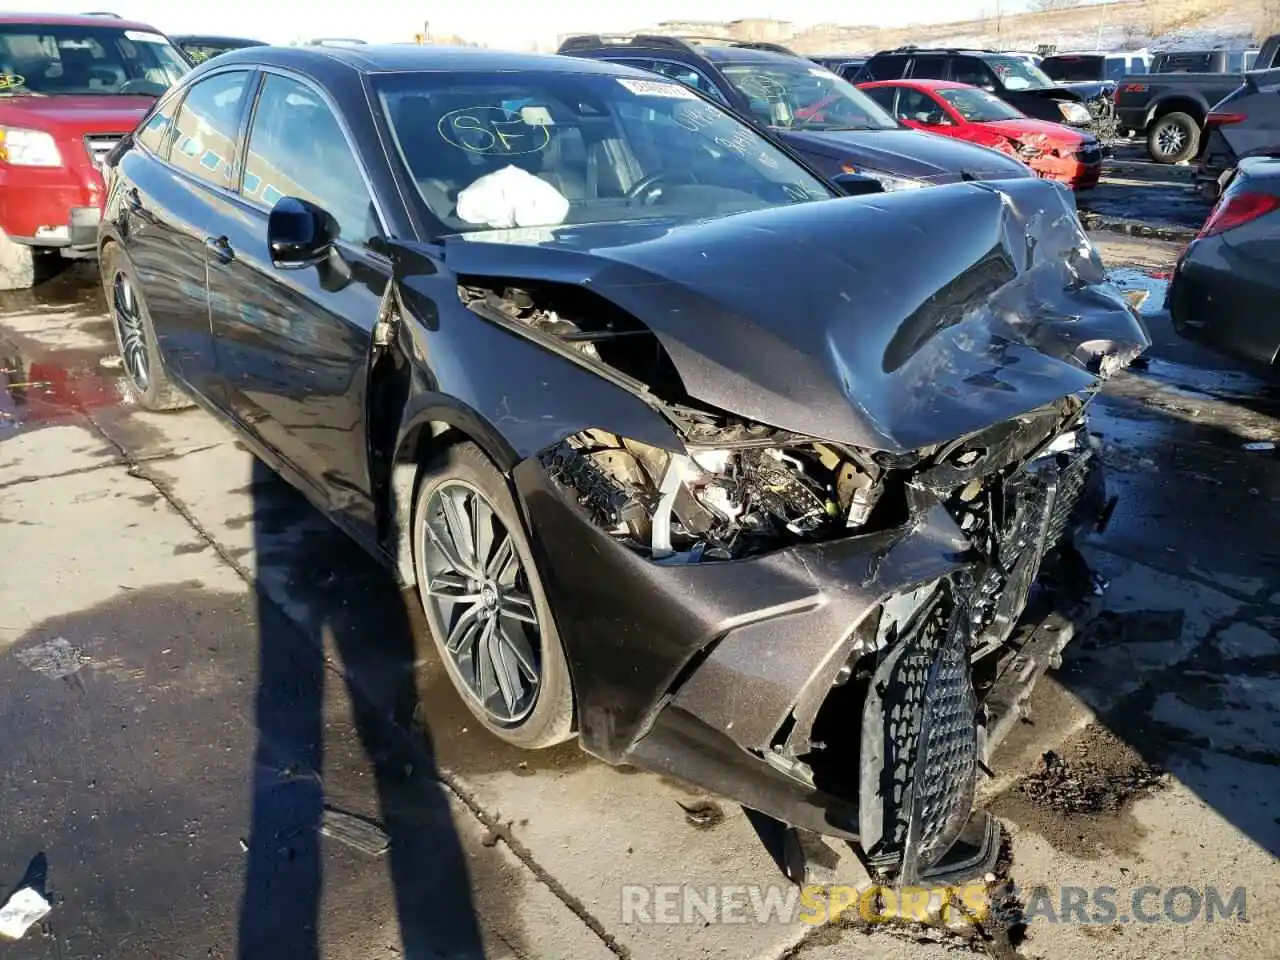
(656, 88)
(139, 36)
(536, 116)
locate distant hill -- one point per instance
(1071, 25)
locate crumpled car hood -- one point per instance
(889, 322)
(908, 153)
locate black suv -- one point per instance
(1009, 77)
(836, 127)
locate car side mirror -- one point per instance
(856, 185)
(300, 233)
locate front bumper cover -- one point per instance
(830, 685)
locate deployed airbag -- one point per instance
(512, 197)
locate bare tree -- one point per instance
(1269, 21)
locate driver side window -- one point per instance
(972, 71)
(919, 107)
(297, 149)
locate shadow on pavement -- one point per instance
(281, 908)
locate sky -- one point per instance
(496, 23)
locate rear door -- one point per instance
(185, 161)
(294, 344)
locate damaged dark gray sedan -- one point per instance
(690, 457)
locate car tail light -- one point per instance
(1235, 210)
(1222, 119)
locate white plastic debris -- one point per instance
(55, 659)
(24, 908)
(512, 197)
(1261, 446)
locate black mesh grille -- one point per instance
(947, 755)
(919, 724)
(1071, 483)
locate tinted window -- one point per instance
(204, 142)
(883, 96)
(297, 149)
(1137, 65)
(591, 139)
(56, 59)
(1184, 63)
(1250, 59)
(153, 134)
(891, 67)
(929, 68)
(689, 76)
(1072, 69)
(972, 71)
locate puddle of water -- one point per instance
(1155, 283)
(41, 391)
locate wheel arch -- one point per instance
(1178, 104)
(426, 429)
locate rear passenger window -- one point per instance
(891, 67)
(1137, 65)
(153, 133)
(929, 68)
(204, 143)
(883, 96)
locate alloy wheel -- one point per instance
(1171, 140)
(480, 595)
(133, 341)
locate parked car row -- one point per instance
(687, 453)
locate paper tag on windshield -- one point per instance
(536, 116)
(656, 88)
(138, 36)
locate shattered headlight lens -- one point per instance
(712, 503)
(1073, 112)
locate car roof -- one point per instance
(411, 57)
(73, 20)
(921, 84)
(213, 38)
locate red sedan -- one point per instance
(1052, 150)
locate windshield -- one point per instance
(542, 149)
(1016, 74)
(799, 97)
(1072, 69)
(57, 59)
(978, 106)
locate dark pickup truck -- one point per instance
(1169, 108)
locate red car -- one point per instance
(70, 88)
(1053, 151)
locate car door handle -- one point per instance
(221, 248)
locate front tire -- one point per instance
(136, 336)
(484, 602)
(1173, 138)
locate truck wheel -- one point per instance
(1173, 138)
(20, 265)
(135, 335)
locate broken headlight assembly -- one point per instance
(718, 502)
